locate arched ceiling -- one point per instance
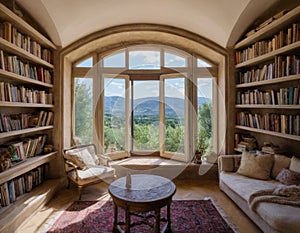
(221, 21)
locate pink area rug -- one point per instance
(193, 216)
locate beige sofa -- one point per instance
(268, 215)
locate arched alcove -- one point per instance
(119, 37)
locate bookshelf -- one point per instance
(26, 88)
(267, 83)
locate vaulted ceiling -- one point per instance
(221, 21)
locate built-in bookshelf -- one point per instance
(26, 119)
(268, 80)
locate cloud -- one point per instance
(147, 57)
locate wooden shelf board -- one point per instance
(16, 79)
(270, 29)
(269, 106)
(26, 166)
(8, 15)
(24, 105)
(13, 215)
(269, 82)
(277, 134)
(11, 48)
(268, 56)
(24, 131)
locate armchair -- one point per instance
(85, 167)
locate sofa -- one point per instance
(265, 187)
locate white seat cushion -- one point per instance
(99, 172)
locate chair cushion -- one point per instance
(81, 157)
(97, 173)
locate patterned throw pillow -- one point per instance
(288, 177)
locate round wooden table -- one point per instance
(146, 193)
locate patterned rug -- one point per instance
(193, 216)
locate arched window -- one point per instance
(146, 99)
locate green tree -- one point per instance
(174, 138)
(204, 127)
(83, 112)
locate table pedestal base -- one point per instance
(144, 220)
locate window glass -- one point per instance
(174, 109)
(146, 115)
(83, 110)
(173, 60)
(144, 60)
(86, 63)
(115, 60)
(201, 63)
(205, 87)
(114, 114)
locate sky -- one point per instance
(143, 59)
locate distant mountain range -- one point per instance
(148, 107)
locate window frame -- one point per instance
(192, 70)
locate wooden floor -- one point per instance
(192, 189)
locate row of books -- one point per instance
(281, 67)
(16, 93)
(14, 36)
(11, 190)
(12, 63)
(287, 124)
(24, 148)
(285, 96)
(11, 122)
(279, 40)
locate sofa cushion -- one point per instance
(256, 166)
(245, 186)
(295, 164)
(283, 218)
(280, 162)
(288, 177)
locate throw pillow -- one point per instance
(81, 157)
(295, 164)
(256, 166)
(288, 177)
(280, 162)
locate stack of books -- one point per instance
(270, 148)
(247, 143)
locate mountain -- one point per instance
(148, 107)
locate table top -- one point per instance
(144, 188)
